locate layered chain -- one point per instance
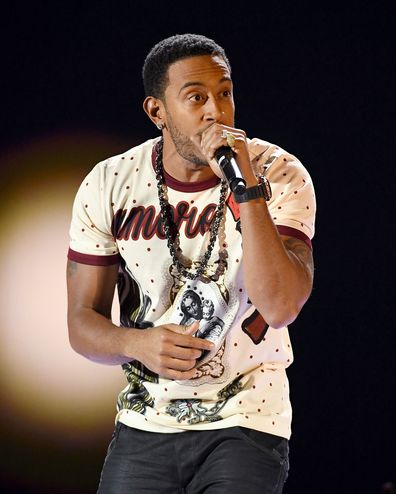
(172, 234)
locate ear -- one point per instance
(154, 109)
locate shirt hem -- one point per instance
(139, 421)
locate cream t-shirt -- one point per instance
(116, 219)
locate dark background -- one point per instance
(319, 81)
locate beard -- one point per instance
(183, 144)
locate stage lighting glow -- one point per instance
(44, 382)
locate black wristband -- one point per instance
(263, 189)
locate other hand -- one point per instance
(170, 350)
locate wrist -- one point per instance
(248, 174)
(261, 189)
(129, 341)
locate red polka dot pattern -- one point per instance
(290, 193)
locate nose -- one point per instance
(213, 111)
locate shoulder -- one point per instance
(275, 162)
(293, 202)
(118, 172)
(121, 164)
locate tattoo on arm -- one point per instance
(71, 268)
(302, 252)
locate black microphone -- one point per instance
(225, 159)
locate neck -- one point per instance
(182, 169)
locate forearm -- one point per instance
(94, 336)
(278, 278)
(170, 350)
(277, 282)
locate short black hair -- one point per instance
(170, 50)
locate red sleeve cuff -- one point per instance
(92, 260)
(293, 232)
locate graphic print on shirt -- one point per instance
(210, 303)
(255, 327)
(135, 395)
(195, 411)
(145, 221)
(195, 308)
(134, 304)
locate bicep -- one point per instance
(302, 253)
(91, 287)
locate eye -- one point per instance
(196, 98)
(227, 93)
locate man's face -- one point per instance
(199, 93)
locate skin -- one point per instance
(196, 107)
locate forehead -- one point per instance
(203, 69)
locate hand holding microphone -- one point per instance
(227, 153)
(228, 165)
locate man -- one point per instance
(161, 221)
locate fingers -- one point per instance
(184, 328)
(182, 353)
(177, 363)
(179, 375)
(181, 336)
(178, 351)
(171, 350)
(218, 135)
(171, 368)
(167, 362)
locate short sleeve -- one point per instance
(293, 202)
(91, 238)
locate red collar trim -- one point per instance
(175, 184)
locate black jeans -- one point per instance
(233, 460)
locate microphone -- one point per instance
(228, 165)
